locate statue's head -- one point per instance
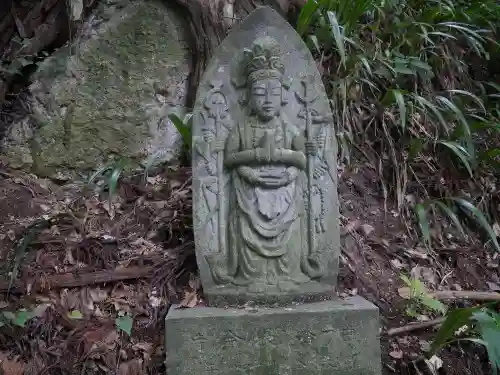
(264, 72)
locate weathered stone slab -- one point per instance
(264, 170)
(323, 338)
(108, 95)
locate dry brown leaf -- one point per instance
(11, 366)
(68, 258)
(86, 302)
(146, 348)
(352, 226)
(404, 292)
(34, 365)
(367, 229)
(418, 252)
(396, 263)
(195, 283)
(396, 354)
(425, 274)
(68, 300)
(133, 367)
(493, 286)
(190, 299)
(100, 339)
(98, 294)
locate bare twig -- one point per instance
(468, 295)
(414, 326)
(71, 280)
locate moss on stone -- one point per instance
(94, 100)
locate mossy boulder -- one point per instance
(106, 97)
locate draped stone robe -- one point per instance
(267, 227)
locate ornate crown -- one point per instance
(263, 60)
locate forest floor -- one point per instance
(76, 267)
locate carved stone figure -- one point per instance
(264, 160)
(266, 223)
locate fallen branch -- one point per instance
(414, 326)
(71, 280)
(468, 295)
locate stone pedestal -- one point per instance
(322, 338)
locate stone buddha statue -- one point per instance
(265, 157)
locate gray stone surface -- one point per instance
(264, 170)
(108, 95)
(323, 338)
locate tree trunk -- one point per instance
(210, 21)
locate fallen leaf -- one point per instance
(493, 286)
(496, 229)
(86, 301)
(435, 363)
(34, 365)
(98, 294)
(396, 263)
(417, 253)
(367, 229)
(425, 274)
(133, 367)
(423, 318)
(396, 354)
(146, 348)
(190, 299)
(75, 314)
(404, 292)
(424, 345)
(352, 226)
(69, 259)
(195, 283)
(11, 366)
(68, 300)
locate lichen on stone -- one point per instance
(92, 101)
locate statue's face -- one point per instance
(265, 98)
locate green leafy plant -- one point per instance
(18, 318)
(124, 323)
(450, 209)
(23, 244)
(480, 325)
(404, 95)
(183, 127)
(419, 298)
(109, 176)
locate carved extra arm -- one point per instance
(257, 157)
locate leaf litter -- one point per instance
(105, 324)
(116, 325)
